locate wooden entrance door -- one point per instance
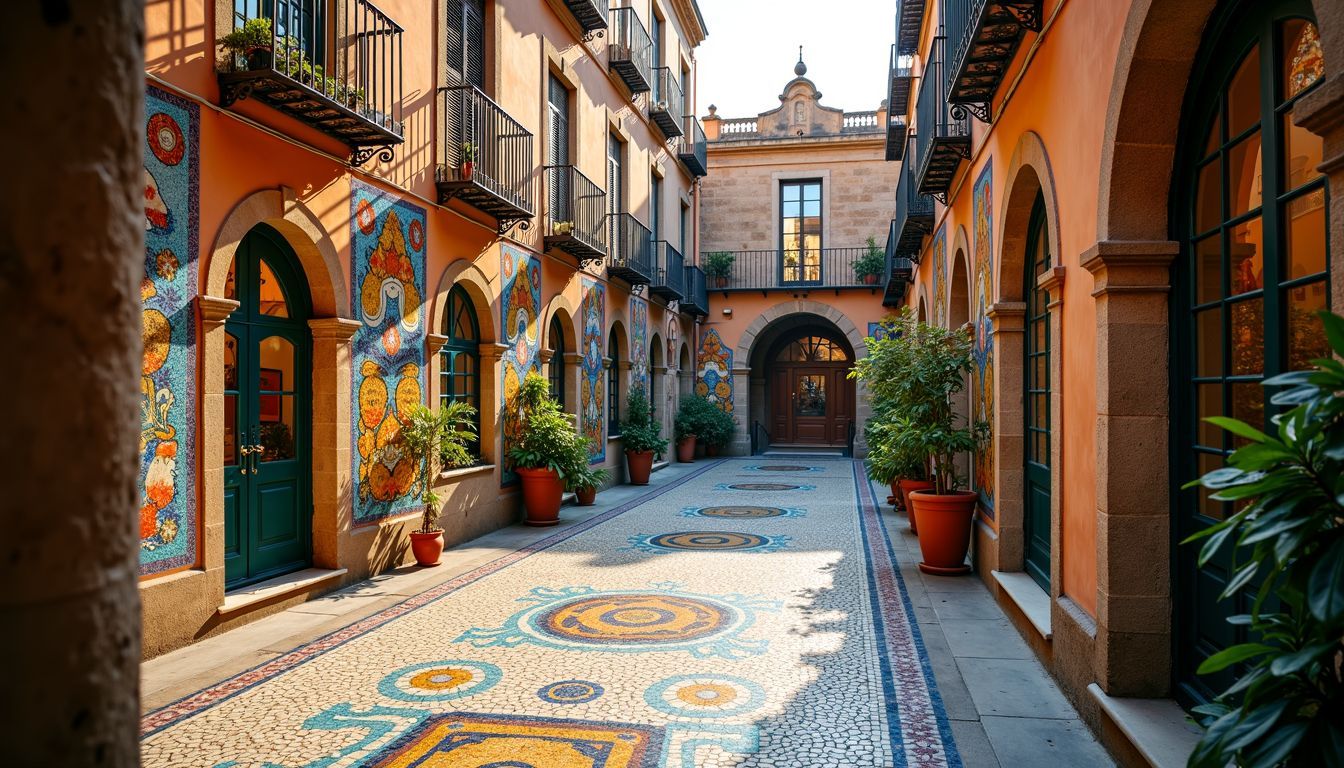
(811, 404)
(811, 397)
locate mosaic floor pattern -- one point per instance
(714, 621)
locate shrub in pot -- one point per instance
(642, 437)
(692, 416)
(869, 267)
(546, 452)
(584, 482)
(718, 429)
(436, 438)
(893, 463)
(718, 267)
(252, 43)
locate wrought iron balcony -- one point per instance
(914, 215)
(898, 103)
(909, 21)
(630, 50)
(591, 15)
(667, 106)
(692, 149)
(793, 270)
(576, 215)
(900, 271)
(485, 157)
(984, 35)
(943, 137)
(696, 301)
(631, 254)
(340, 74)
(669, 280)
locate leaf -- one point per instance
(1234, 655)
(1277, 746)
(1254, 725)
(1325, 590)
(1238, 428)
(1240, 580)
(1291, 663)
(1334, 330)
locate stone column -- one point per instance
(1132, 281)
(573, 385)
(741, 445)
(71, 261)
(492, 401)
(333, 485)
(1007, 318)
(1053, 283)
(433, 345)
(215, 313)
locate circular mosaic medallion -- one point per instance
(740, 512)
(165, 138)
(703, 540)
(765, 487)
(570, 692)
(620, 619)
(784, 468)
(705, 696)
(440, 680)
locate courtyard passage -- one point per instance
(752, 612)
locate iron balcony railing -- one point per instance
(336, 68)
(983, 38)
(485, 156)
(696, 301)
(630, 50)
(942, 141)
(900, 271)
(576, 214)
(765, 270)
(909, 20)
(631, 255)
(591, 15)
(669, 280)
(692, 149)
(667, 106)
(914, 215)
(898, 103)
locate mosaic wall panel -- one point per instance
(714, 371)
(940, 277)
(877, 331)
(592, 387)
(639, 348)
(520, 312)
(387, 251)
(168, 398)
(982, 372)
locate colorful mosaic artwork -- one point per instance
(168, 515)
(763, 487)
(460, 740)
(877, 331)
(706, 541)
(388, 358)
(593, 385)
(939, 255)
(632, 621)
(705, 696)
(440, 681)
(639, 346)
(790, 468)
(570, 692)
(743, 512)
(520, 313)
(714, 371)
(982, 353)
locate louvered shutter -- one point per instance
(558, 151)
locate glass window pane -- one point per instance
(1208, 342)
(1243, 95)
(276, 373)
(1248, 404)
(1306, 235)
(231, 282)
(230, 430)
(811, 396)
(812, 209)
(1210, 403)
(791, 209)
(1246, 261)
(812, 192)
(1208, 200)
(1243, 176)
(1302, 63)
(276, 436)
(1302, 150)
(1208, 269)
(1215, 139)
(791, 193)
(1248, 337)
(272, 302)
(1306, 335)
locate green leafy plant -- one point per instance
(639, 430)
(433, 438)
(546, 437)
(253, 35)
(873, 262)
(1287, 545)
(718, 428)
(693, 417)
(586, 477)
(468, 152)
(276, 441)
(719, 264)
(888, 459)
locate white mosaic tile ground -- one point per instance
(737, 640)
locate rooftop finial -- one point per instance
(800, 68)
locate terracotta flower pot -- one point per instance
(686, 449)
(427, 547)
(542, 489)
(944, 530)
(906, 487)
(639, 465)
(585, 497)
(721, 282)
(711, 450)
(870, 279)
(895, 492)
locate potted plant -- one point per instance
(892, 463)
(689, 422)
(717, 429)
(584, 482)
(718, 266)
(433, 439)
(870, 266)
(642, 437)
(468, 160)
(546, 452)
(253, 43)
(562, 228)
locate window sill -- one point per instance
(280, 587)
(1158, 729)
(453, 475)
(1029, 598)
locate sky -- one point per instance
(753, 44)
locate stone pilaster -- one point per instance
(1053, 283)
(1007, 318)
(333, 379)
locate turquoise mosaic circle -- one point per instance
(767, 487)
(440, 680)
(705, 696)
(708, 540)
(743, 511)
(570, 692)
(784, 468)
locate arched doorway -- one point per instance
(556, 368)
(958, 315)
(267, 412)
(1250, 218)
(808, 399)
(1036, 401)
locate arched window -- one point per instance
(557, 366)
(1036, 404)
(1251, 215)
(614, 386)
(460, 358)
(812, 349)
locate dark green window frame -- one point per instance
(613, 385)
(460, 358)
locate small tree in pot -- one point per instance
(436, 439)
(584, 482)
(718, 267)
(642, 436)
(252, 44)
(870, 266)
(718, 429)
(548, 450)
(692, 417)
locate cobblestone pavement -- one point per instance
(748, 613)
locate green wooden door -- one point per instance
(1036, 405)
(267, 412)
(1250, 214)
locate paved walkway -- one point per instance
(741, 613)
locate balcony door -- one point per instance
(465, 43)
(800, 232)
(1037, 405)
(557, 150)
(615, 196)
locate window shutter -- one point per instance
(473, 54)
